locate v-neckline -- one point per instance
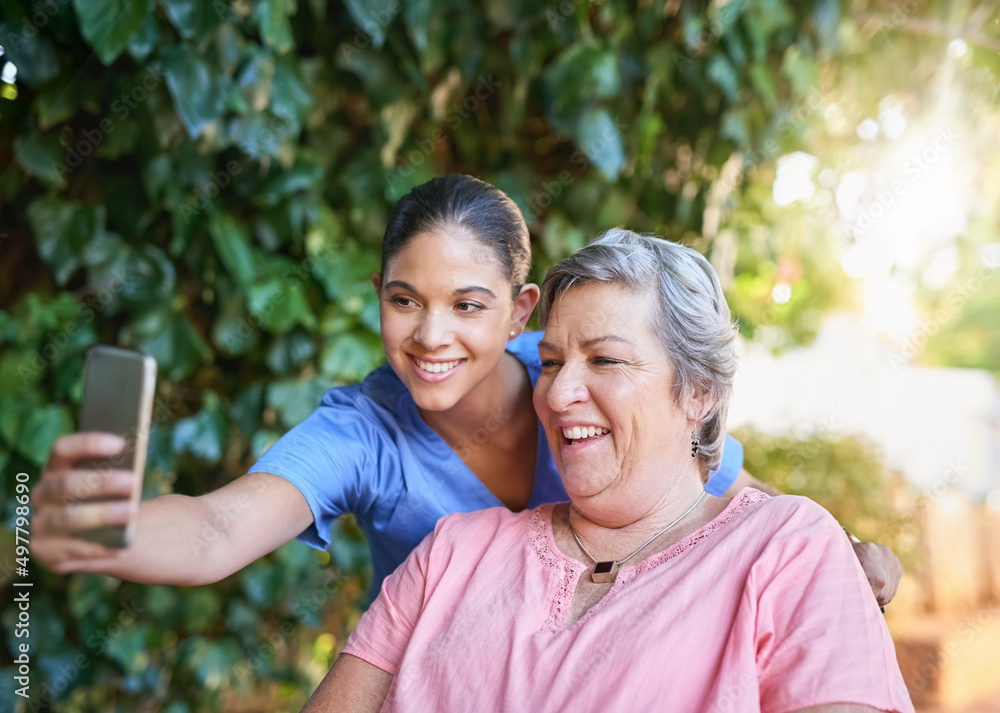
(486, 496)
(573, 569)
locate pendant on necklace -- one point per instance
(604, 572)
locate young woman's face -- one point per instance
(447, 314)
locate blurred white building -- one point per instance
(939, 427)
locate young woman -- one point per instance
(446, 426)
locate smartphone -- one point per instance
(118, 390)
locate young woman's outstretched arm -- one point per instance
(179, 540)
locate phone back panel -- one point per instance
(118, 398)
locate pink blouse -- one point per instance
(763, 609)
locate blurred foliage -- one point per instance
(900, 194)
(961, 325)
(209, 181)
(847, 476)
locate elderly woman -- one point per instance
(643, 592)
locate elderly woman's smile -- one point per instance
(578, 434)
(604, 397)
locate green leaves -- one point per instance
(348, 357)
(129, 648)
(304, 175)
(60, 99)
(277, 300)
(170, 338)
(418, 15)
(294, 399)
(192, 18)
(41, 155)
(199, 91)
(62, 230)
(801, 69)
(372, 17)
(580, 77)
(212, 663)
(721, 72)
(260, 582)
(826, 15)
(578, 81)
(107, 25)
(143, 42)
(599, 138)
(233, 246)
(290, 351)
(762, 81)
(272, 21)
(41, 430)
(204, 434)
(142, 274)
(33, 55)
(289, 97)
(582, 73)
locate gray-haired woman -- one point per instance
(643, 592)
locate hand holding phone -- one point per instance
(118, 398)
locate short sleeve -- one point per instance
(384, 631)
(338, 459)
(730, 467)
(820, 637)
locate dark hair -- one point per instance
(458, 201)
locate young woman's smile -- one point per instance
(447, 314)
(435, 371)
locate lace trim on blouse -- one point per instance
(570, 570)
(543, 542)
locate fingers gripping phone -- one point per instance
(118, 390)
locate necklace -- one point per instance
(607, 572)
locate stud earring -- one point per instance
(512, 334)
(695, 442)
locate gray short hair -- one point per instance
(692, 319)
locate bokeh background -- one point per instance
(208, 182)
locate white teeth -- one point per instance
(576, 433)
(436, 367)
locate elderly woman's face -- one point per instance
(606, 373)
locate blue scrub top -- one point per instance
(367, 451)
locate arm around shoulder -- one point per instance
(745, 480)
